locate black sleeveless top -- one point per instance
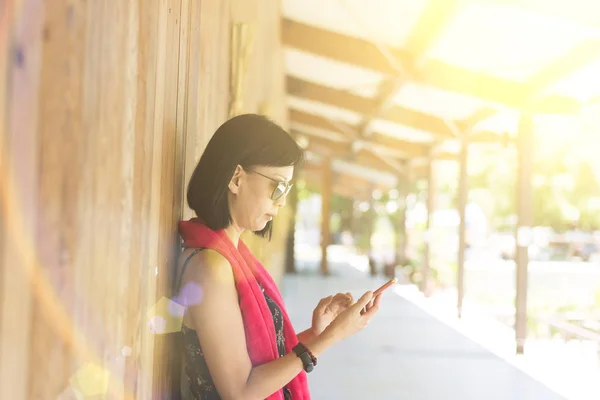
(201, 386)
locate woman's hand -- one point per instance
(355, 318)
(328, 309)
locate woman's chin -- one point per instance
(262, 224)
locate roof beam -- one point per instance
(480, 115)
(435, 73)
(338, 47)
(384, 100)
(411, 149)
(368, 158)
(317, 121)
(396, 114)
(340, 150)
(347, 183)
(327, 148)
(324, 94)
(431, 23)
(406, 148)
(433, 20)
(565, 64)
(348, 186)
(507, 92)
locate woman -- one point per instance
(238, 341)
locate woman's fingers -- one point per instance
(324, 303)
(350, 297)
(372, 309)
(340, 302)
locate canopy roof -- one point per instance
(383, 84)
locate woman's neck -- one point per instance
(234, 232)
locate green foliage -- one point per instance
(304, 190)
(564, 189)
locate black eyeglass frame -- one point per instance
(287, 186)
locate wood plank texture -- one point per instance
(104, 111)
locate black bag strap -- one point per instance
(176, 341)
(185, 264)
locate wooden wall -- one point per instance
(105, 107)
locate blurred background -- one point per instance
(452, 144)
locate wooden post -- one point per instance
(21, 47)
(326, 192)
(463, 192)
(424, 287)
(400, 223)
(525, 221)
(371, 227)
(290, 261)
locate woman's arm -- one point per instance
(307, 336)
(220, 328)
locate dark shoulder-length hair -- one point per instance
(247, 140)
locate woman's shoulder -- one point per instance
(205, 265)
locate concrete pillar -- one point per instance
(525, 221)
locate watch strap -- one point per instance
(308, 360)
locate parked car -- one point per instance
(586, 251)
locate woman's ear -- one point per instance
(236, 180)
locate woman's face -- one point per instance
(257, 193)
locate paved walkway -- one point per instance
(404, 353)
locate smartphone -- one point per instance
(385, 286)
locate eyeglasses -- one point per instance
(282, 188)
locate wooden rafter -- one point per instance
(565, 64)
(327, 148)
(323, 123)
(404, 149)
(342, 99)
(338, 47)
(383, 101)
(324, 94)
(369, 159)
(478, 116)
(346, 184)
(341, 151)
(434, 73)
(430, 25)
(411, 149)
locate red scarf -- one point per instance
(248, 272)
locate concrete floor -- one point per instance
(404, 353)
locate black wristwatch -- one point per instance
(306, 356)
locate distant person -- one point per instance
(238, 341)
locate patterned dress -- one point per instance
(201, 386)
